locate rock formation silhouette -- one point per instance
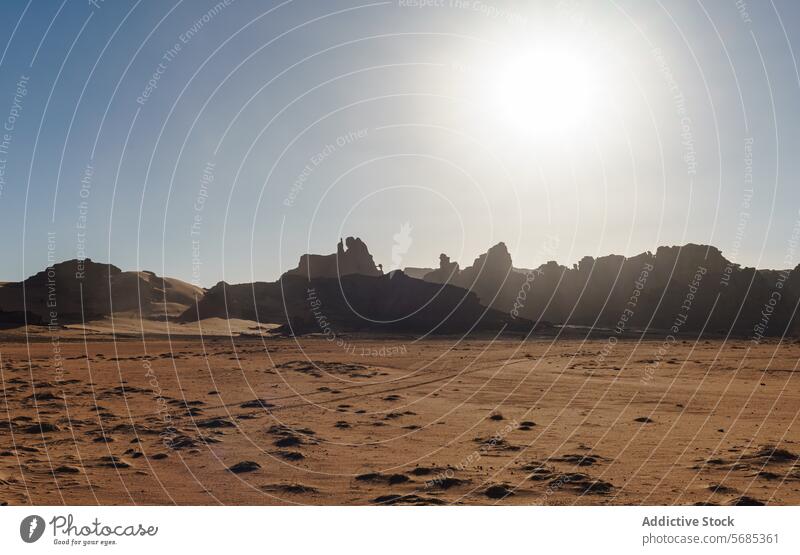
(690, 291)
(355, 302)
(446, 272)
(354, 259)
(346, 292)
(491, 277)
(82, 290)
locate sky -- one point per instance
(218, 140)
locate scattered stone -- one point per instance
(290, 455)
(244, 466)
(67, 469)
(41, 428)
(746, 501)
(498, 491)
(216, 423)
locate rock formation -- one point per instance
(355, 302)
(82, 290)
(446, 272)
(491, 277)
(354, 259)
(688, 290)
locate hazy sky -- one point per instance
(562, 128)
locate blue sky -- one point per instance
(275, 128)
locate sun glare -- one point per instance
(549, 90)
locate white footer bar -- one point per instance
(400, 530)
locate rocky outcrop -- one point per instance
(351, 258)
(689, 289)
(491, 277)
(445, 273)
(346, 292)
(83, 290)
(355, 302)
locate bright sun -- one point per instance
(552, 90)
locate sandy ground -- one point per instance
(264, 420)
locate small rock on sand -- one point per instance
(498, 491)
(244, 466)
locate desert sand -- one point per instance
(258, 419)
